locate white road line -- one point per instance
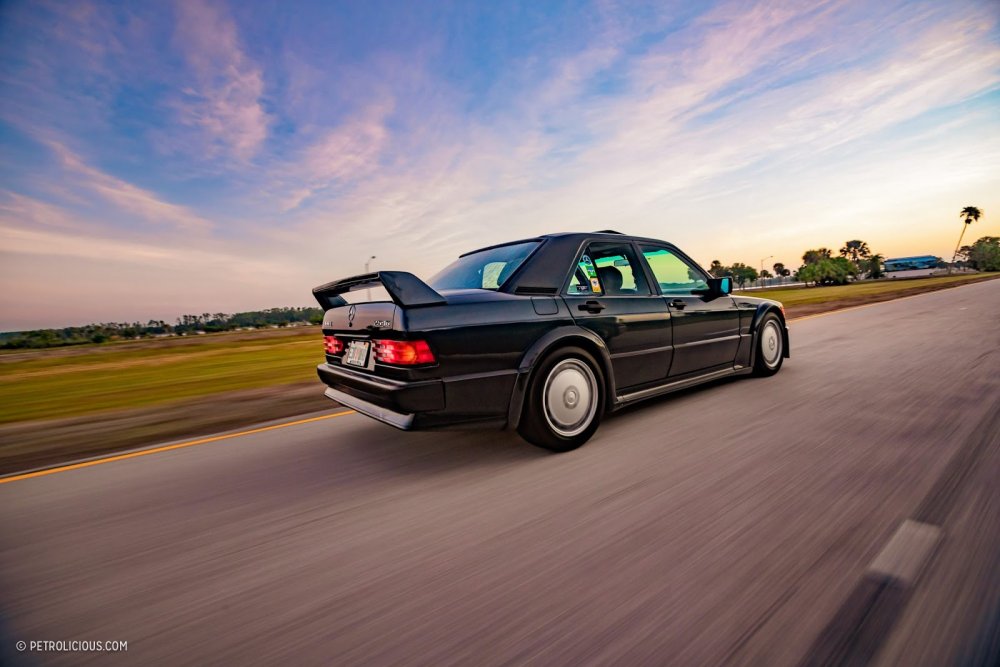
(907, 552)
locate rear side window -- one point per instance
(486, 269)
(610, 269)
(673, 273)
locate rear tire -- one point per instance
(565, 401)
(769, 350)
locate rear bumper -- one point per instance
(398, 419)
(422, 404)
(399, 400)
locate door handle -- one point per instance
(679, 304)
(592, 306)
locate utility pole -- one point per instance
(368, 292)
(762, 265)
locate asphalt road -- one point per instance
(732, 524)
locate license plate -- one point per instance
(357, 353)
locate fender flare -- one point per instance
(559, 337)
(762, 310)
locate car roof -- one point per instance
(545, 269)
(604, 234)
(609, 234)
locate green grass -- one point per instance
(863, 291)
(60, 385)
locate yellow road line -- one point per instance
(167, 448)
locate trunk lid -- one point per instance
(364, 319)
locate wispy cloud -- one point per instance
(343, 155)
(91, 262)
(126, 197)
(223, 96)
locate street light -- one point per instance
(368, 292)
(762, 265)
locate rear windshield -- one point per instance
(486, 269)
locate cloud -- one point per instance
(125, 196)
(31, 212)
(223, 97)
(30, 226)
(58, 266)
(77, 244)
(342, 155)
(691, 120)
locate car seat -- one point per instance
(611, 279)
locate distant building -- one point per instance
(905, 267)
(912, 263)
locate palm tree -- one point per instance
(814, 256)
(855, 250)
(875, 266)
(969, 214)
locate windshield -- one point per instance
(486, 269)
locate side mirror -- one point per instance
(720, 286)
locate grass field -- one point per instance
(57, 383)
(862, 292)
(89, 380)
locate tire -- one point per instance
(769, 346)
(565, 401)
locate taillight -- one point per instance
(333, 345)
(404, 352)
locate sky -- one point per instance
(164, 158)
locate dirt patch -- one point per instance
(38, 444)
(805, 309)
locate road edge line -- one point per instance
(157, 449)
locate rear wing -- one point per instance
(404, 288)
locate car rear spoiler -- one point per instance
(404, 288)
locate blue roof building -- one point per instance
(911, 263)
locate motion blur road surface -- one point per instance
(725, 525)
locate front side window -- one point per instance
(485, 269)
(609, 269)
(674, 274)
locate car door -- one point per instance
(608, 293)
(706, 329)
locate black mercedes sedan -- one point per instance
(543, 335)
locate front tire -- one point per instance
(770, 346)
(565, 401)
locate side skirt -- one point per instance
(627, 399)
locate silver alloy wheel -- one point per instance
(770, 343)
(570, 397)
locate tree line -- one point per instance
(983, 255)
(184, 325)
(819, 266)
(854, 261)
